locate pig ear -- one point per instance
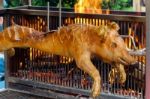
(113, 25)
(103, 31)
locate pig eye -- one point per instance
(113, 45)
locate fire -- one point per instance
(88, 6)
(139, 44)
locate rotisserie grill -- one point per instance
(53, 76)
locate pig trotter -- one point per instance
(96, 88)
(117, 71)
(112, 75)
(122, 74)
(85, 64)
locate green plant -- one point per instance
(116, 4)
(111, 4)
(13, 3)
(68, 3)
(55, 3)
(39, 2)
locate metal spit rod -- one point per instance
(132, 39)
(135, 51)
(60, 13)
(48, 14)
(48, 5)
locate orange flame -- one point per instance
(88, 6)
(139, 44)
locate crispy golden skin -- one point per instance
(77, 41)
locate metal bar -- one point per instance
(132, 39)
(3, 11)
(7, 65)
(48, 86)
(147, 93)
(73, 15)
(30, 2)
(34, 90)
(48, 13)
(40, 93)
(60, 13)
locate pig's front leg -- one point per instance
(84, 63)
(117, 71)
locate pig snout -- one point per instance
(127, 59)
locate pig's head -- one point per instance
(112, 48)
